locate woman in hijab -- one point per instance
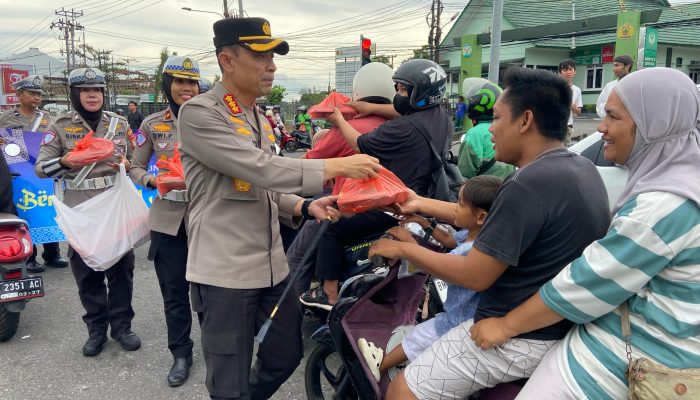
(649, 260)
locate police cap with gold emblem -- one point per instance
(181, 67)
(87, 77)
(252, 33)
(32, 83)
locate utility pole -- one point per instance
(226, 13)
(68, 24)
(240, 8)
(431, 35)
(495, 61)
(438, 31)
(573, 18)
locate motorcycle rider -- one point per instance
(476, 154)
(400, 147)
(371, 84)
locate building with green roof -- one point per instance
(678, 38)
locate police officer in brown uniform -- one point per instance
(239, 193)
(166, 218)
(110, 304)
(27, 117)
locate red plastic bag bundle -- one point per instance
(360, 195)
(90, 150)
(325, 108)
(171, 174)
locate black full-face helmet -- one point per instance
(427, 80)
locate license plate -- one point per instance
(20, 289)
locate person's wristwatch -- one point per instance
(429, 231)
(305, 208)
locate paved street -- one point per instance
(44, 359)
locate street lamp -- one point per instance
(203, 11)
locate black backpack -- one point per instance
(446, 178)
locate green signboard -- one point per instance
(628, 34)
(587, 55)
(470, 59)
(650, 44)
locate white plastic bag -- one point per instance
(107, 226)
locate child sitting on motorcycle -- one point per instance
(475, 199)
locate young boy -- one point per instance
(567, 70)
(475, 199)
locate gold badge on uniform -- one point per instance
(271, 137)
(236, 120)
(231, 104)
(167, 115)
(241, 185)
(44, 121)
(187, 64)
(266, 29)
(162, 127)
(74, 129)
(243, 131)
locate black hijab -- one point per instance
(166, 86)
(91, 117)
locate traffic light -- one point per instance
(366, 47)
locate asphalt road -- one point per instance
(44, 359)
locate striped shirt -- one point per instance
(650, 259)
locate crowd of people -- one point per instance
(540, 274)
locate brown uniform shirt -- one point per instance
(61, 138)
(158, 134)
(236, 187)
(14, 120)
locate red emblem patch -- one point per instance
(231, 104)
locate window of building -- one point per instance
(594, 77)
(679, 62)
(694, 76)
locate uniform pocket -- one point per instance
(224, 364)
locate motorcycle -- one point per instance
(372, 306)
(16, 286)
(295, 140)
(371, 303)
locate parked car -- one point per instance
(614, 176)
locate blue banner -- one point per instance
(31, 194)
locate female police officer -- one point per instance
(102, 306)
(166, 218)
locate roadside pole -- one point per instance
(495, 60)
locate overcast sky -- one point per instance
(136, 30)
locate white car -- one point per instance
(614, 176)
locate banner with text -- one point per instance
(31, 194)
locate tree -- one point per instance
(309, 96)
(422, 53)
(158, 75)
(382, 59)
(277, 94)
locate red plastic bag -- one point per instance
(171, 174)
(90, 150)
(325, 108)
(360, 195)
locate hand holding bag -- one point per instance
(107, 226)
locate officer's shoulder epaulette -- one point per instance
(65, 116)
(112, 114)
(155, 115)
